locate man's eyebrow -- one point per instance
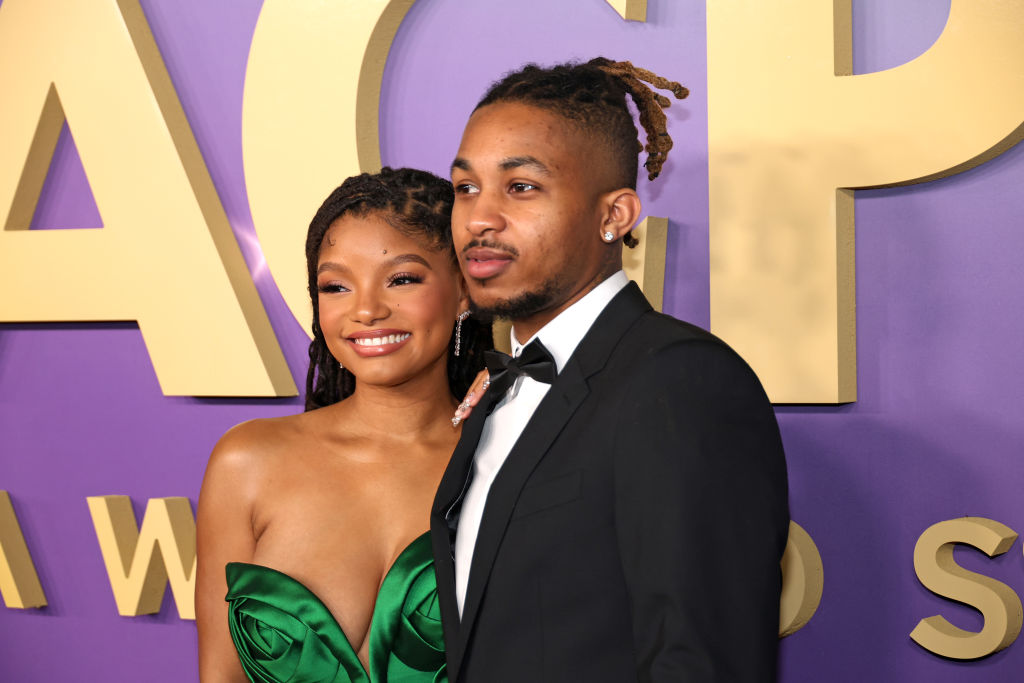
(509, 163)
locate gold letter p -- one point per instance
(790, 135)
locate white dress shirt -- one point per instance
(561, 336)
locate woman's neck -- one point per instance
(421, 405)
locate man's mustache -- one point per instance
(491, 244)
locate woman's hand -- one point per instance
(476, 391)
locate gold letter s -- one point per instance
(938, 572)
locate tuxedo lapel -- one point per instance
(568, 391)
(562, 400)
(449, 491)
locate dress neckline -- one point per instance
(329, 627)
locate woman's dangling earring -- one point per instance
(458, 331)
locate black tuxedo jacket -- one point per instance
(634, 533)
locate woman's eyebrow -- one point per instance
(410, 258)
(330, 265)
(390, 263)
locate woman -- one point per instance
(314, 525)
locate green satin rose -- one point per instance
(283, 632)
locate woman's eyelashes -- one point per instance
(404, 279)
(516, 188)
(331, 288)
(396, 280)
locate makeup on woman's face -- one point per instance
(387, 301)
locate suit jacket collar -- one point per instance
(562, 335)
(567, 392)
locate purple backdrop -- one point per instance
(935, 434)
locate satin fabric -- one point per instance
(283, 632)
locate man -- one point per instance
(616, 508)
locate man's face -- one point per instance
(527, 215)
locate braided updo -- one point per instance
(593, 96)
(419, 205)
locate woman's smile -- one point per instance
(372, 343)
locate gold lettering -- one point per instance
(19, 583)
(631, 10)
(300, 137)
(803, 579)
(166, 256)
(789, 136)
(938, 572)
(140, 561)
(645, 263)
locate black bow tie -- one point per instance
(535, 362)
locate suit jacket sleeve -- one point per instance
(701, 515)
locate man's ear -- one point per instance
(621, 211)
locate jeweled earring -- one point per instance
(458, 331)
(608, 236)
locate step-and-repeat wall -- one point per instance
(842, 205)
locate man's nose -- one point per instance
(485, 215)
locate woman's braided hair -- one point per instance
(593, 97)
(417, 204)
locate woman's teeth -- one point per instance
(380, 341)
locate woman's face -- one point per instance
(387, 301)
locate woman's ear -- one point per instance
(621, 211)
(463, 290)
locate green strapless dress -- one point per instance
(283, 632)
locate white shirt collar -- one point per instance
(562, 335)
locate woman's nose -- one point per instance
(369, 307)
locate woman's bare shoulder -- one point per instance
(264, 441)
(257, 444)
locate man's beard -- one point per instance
(548, 295)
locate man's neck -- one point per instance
(564, 333)
(525, 328)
